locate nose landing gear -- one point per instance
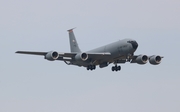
(116, 68)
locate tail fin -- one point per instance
(73, 43)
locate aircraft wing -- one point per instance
(98, 55)
(68, 56)
(141, 59)
(31, 52)
(44, 53)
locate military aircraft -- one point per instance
(118, 52)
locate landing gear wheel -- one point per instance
(91, 67)
(119, 68)
(116, 68)
(113, 68)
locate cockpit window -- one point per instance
(129, 41)
(134, 44)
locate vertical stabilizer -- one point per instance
(73, 43)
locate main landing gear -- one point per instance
(91, 67)
(116, 68)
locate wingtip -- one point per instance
(19, 51)
(71, 30)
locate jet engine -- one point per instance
(142, 59)
(155, 60)
(81, 56)
(52, 55)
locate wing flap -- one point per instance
(98, 55)
(64, 58)
(67, 54)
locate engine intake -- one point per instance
(81, 56)
(155, 60)
(52, 55)
(142, 59)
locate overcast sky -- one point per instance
(32, 84)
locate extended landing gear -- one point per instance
(116, 68)
(91, 67)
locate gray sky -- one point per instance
(32, 84)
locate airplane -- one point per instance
(118, 52)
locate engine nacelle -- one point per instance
(142, 59)
(155, 60)
(81, 57)
(52, 55)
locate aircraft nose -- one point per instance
(134, 44)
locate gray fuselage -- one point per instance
(117, 50)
